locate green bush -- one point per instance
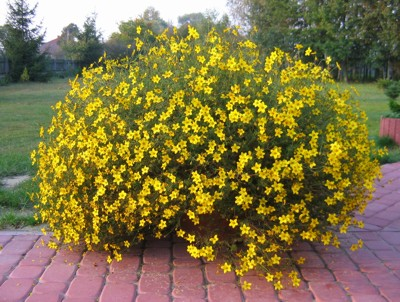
(193, 133)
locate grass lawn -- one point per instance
(24, 108)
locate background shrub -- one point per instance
(205, 137)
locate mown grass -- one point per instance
(24, 108)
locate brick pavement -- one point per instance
(162, 270)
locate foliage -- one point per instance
(21, 41)
(393, 91)
(196, 130)
(25, 75)
(149, 21)
(361, 35)
(84, 45)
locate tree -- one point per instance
(84, 45)
(150, 20)
(21, 40)
(278, 22)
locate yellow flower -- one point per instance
(226, 267)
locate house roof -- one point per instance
(53, 49)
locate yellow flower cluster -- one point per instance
(189, 129)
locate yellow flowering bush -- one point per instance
(207, 138)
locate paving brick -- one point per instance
(227, 292)
(298, 295)
(27, 272)
(377, 245)
(179, 250)
(338, 261)
(85, 287)
(79, 299)
(156, 255)
(15, 289)
(186, 262)
(384, 279)
(312, 259)
(92, 258)
(327, 291)
(59, 272)
(7, 262)
(50, 287)
(187, 276)
(118, 292)
(189, 292)
(360, 287)
(156, 267)
(189, 299)
(388, 255)
(366, 298)
(363, 256)
(27, 237)
(260, 289)
(158, 243)
(154, 283)
(147, 297)
(214, 274)
(4, 239)
(47, 297)
(128, 264)
(317, 274)
(349, 276)
(92, 270)
(67, 256)
(17, 247)
(122, 278)
(390, 293)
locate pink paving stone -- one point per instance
(28, 272)
(214, 274)
(38, 255)
(260, 289)
(49, 287)
(118, 292)
(363, 256)
(188, 292)
(66, 256)
(302, 246)
(377, 245)
(187, 276)
(338, 261)
(393, 264)
(147, 297)
(15, 289)
(317, 274)
(298, 295)
(58, 272)
(312, 260)
(227, 292)
(366, 297)
(360, 287)
(4, 239)
(128, 264)
(28, 237)
(390, 293)
(116, 277)
(156, 267)
(8, 261)
(388, 255)
(154, 283)
(93, 270)
(48, 297)
(17, 247)
(186, 262)
(384, 279)
(156, 255)
(158, 243)
(378, 222)
(327, 291)
(179, 250)
(79, 299)
(92, 258)
(188, 299)
(349, 276)
(85, 287)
